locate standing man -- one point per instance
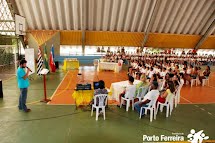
(23, 84)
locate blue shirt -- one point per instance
(22, 83)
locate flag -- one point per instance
(39, 61)
(51, 60)
(52, 50)
(46, 58)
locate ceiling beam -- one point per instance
(129, 15)
(7, 31)
(59, 14)
(98, 14)
(136, 15)
(7, 20)
(200, 17)
(158, 16)
(172, 15)
(114, 15)
(83, 23)
(168, 8)
(35, 13)
(192, 19)
(121, 14)
(149, 26)
(185, 18)
(67, 13)
(75, 13)
(144, 14)
(106, 14)
(90, 15)
(29, 18)
(43, 13)
(51, 13)
(18, 4)
(209, 16)
(179, 16)
(207, 33)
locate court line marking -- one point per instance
(66, 86)
(30, 103)
(8, 79)
(186, 99)
(58, 86)
(196, 103)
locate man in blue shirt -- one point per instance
(23, 84)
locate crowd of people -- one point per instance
(161, 74)
(158, 65)
(179, 59)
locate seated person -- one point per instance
(193, 75)
(133, 73)
(165, 95)
(129, 71)
(158, 70)
(147, 71)
(188, 72)
(184, 71)
(206, 74)
(143, 83)
(176, 80)
(149, 97)
(163, 73)
(100, 90)
(153, 78)
(138, 75)
(131, 84)
(181, 78)
(151, 72)
(169, 71)
(176, 70)
(143, 70)
(164, 83)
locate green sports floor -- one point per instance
(65, 124)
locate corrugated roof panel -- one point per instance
(172, 16)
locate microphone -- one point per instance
(29, 69)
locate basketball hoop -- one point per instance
(22, 32)
(20, 26)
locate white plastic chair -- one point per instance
(129, 96)
(193, 81)
(161, 85)
(178, 95)
(151, 107)
(100, 101)
(95, 62)
(169, 105)
(204, 81)
(142, 92)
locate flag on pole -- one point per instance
(51, 60)
(52, 50)
(46, 58)
(39, 61)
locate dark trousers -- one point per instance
(23, 98)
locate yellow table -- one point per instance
(70, 64)
(83, 96)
